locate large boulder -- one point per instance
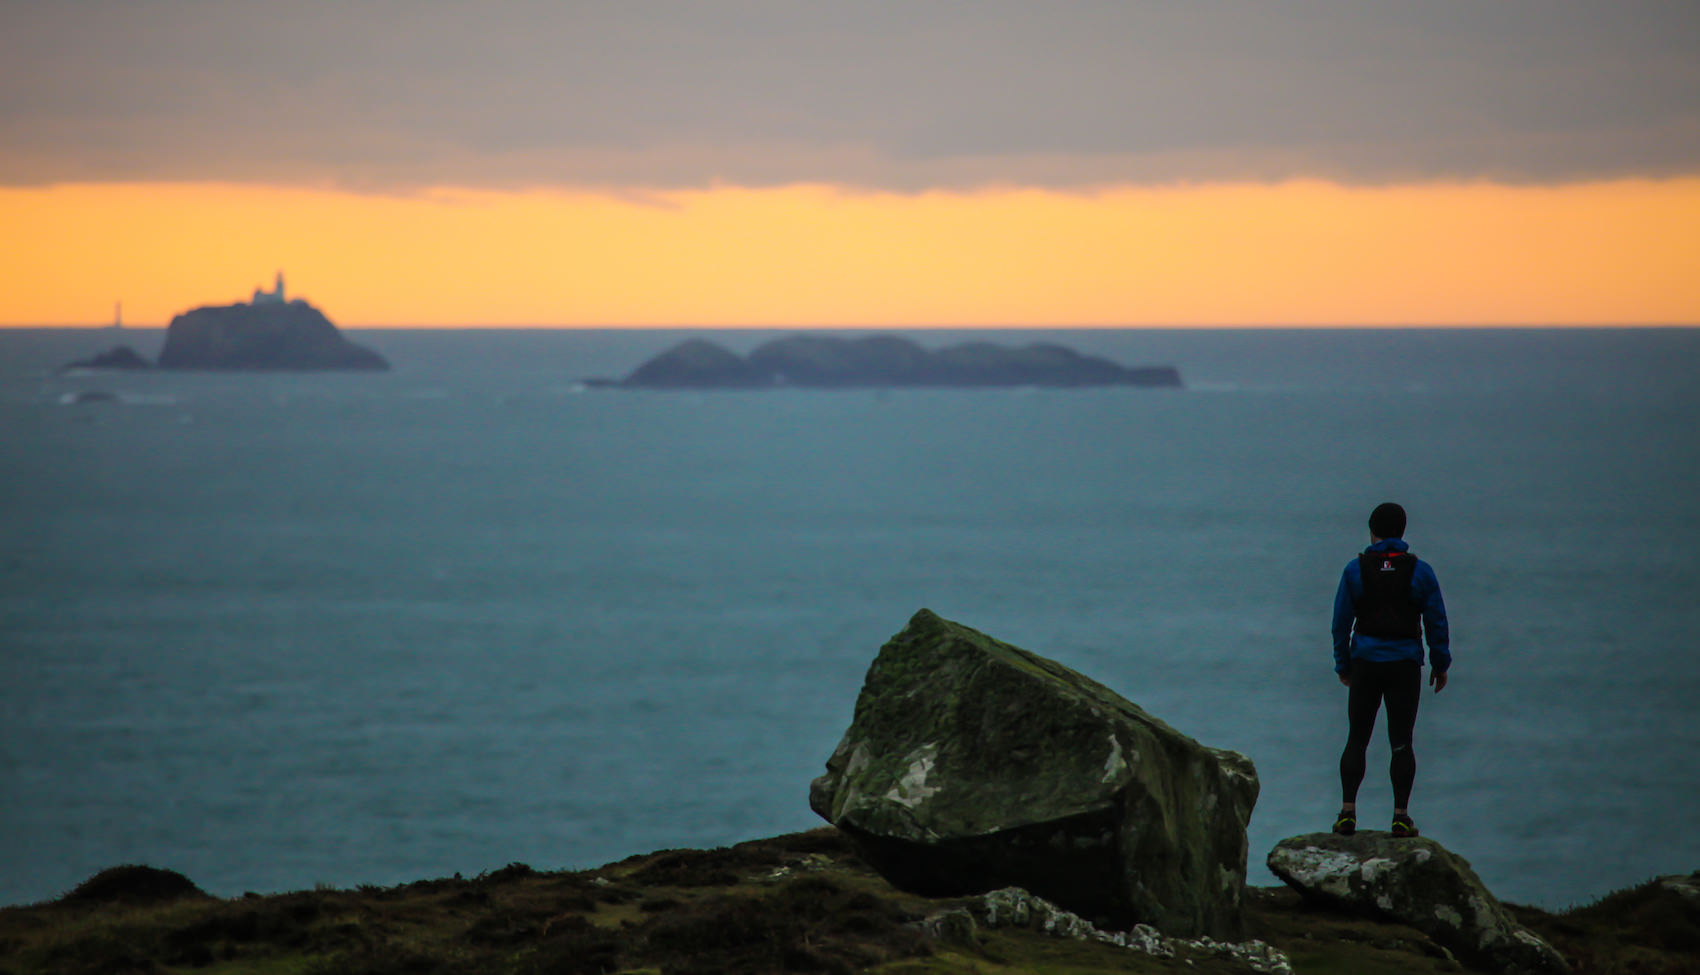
(1418, 882)
(972, 765)
(285, 336)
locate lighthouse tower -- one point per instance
(272, 297)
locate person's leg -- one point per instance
(1404, 690)
(1363, 700)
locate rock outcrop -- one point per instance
(884, 361)
(696, 364)
(1686, 886)
(972, 765)
(282, 336)
(1417, 882)
(122, 358)
(825, 361)
(1013, 907)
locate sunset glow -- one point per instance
(1295, 253)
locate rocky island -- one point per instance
(267, 333)
(882, 361)
(292, 337)
(121, 358)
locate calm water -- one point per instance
(274, 631)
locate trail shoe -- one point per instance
(1346, 823)
(1402, 827)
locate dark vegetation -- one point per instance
(798, 903)
(1645, 929)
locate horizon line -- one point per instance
(866, 327)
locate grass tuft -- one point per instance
(1648, 929)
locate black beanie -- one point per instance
(1387, 521)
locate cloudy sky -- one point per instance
(754, 160)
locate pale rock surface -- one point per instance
(1013, 907)
(1418, 882)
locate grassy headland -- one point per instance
(796, 903)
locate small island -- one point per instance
(882, 361)
(121, 358)
(269, 333)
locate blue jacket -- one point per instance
(1425, 592)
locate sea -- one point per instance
(283, 631)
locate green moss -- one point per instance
(968, 757)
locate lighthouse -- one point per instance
(272, 297)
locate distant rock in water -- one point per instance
(884, 361)
(280, 336)
(696, 364)
(826, 361)
(122, 357)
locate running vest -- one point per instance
(1386, 610)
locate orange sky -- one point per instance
(1298, 253)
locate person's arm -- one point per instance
(1345, 611)
(1435, 627)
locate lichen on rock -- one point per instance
(1414, 881)
(972, 765)
(1017, 908)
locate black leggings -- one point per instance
(1400, 682)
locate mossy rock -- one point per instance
(972, 765)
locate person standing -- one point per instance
(1387, 602)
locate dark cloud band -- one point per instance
(900, 95)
